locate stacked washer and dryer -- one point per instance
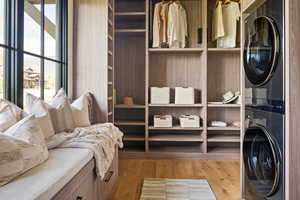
(263, 147)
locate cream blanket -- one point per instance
(100, 138)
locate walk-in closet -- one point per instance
(139, 66)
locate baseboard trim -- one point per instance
(178, 156)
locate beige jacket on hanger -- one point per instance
(157, 26)
(217, 23)
(177, 26)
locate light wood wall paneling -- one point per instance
(90, 53)
(204, 73)
(147, 78)
(292, 80)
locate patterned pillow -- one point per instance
(22, 147)
(18, 112)
(7, 118)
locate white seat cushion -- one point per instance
(46, 180)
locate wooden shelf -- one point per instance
(130, 123)
(228, 128)
(123, 106)
(130, 13)
(175, 137)
(177, 105)
(175, 128)
(110, 22)
(175, 148)
(221, 105)
(110, 7)
(130, 30)
(176, 50)
(223, 149)
(223, 138)
(134, 137)
(224, 50)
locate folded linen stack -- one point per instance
(218, 124)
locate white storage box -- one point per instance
(163, 121)
(160, 95)
(189, 121)
(184, 95)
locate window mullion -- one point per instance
(42, 81)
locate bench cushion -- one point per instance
(45, 180)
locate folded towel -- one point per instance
(218, 123)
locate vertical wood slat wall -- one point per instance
(138, 67)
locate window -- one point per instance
(2, 50)
(33, 38)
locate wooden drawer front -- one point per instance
(86, 189)
(110, 178)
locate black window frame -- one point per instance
(14, 49)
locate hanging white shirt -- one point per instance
(177, 26)
(217, 23)
(157, 25)
(231, 14)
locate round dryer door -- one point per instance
(262, 161)
(261, 50)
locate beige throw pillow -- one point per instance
(17, 157)
(7, 118)
(40, 110)
(80, 111)
(18, 112)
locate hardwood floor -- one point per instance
(223, 177)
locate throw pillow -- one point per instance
(7, 118)
(80, 111)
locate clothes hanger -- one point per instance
(226, 1)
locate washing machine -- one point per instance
(263, 154)
(264, 57)
(263, 146)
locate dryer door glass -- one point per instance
(261, 50)
(262, 161)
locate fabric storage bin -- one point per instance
(184, 95)
(163, 121)
(160, 95)
(189, 121)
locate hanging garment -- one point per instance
(177, 26)
(231, 14)
(164, 20)
(157, 26)
(217, 23)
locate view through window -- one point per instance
(34, 82)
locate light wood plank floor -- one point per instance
(223, 177)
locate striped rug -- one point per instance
(176, 189)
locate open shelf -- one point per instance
(177, 128)
(223, 138)
(123, 106)
(177, 105)
(220, 149)
(183, 147)
(228, 128)
(222, 105)
(175, 137)
(134, 137)
(129, 123)
(176, 50)
(130, 30)
(224, 50)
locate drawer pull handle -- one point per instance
(110, 174)
(79, 198)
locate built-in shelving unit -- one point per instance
(210, 70)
